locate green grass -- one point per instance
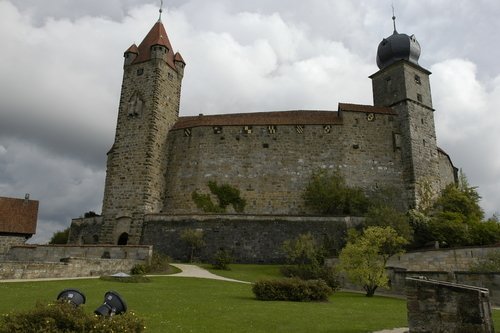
(250, 273)
(174, 304)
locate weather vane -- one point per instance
(161, 9)
(393, 17)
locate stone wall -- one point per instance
(272, 170)
(54, 253)
(448, 260)
(7, 241)
(436, 306)
(249, 239)
(72, 267)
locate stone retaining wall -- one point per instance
(249, 239)
(72, 267)
(54, 253)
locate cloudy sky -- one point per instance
(61, 69)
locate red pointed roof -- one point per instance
(179, 58)
(133, 49)
(156, 36)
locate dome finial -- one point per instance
(394, 19)
(161, 10)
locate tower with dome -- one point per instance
(160, 158)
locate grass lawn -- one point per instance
(250, 273)
(174, 304)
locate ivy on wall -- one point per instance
(226, 195)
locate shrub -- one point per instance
(159, 264)
(62, 317)
(222, 260)
(490, 264)
(291, 289)
(311, 272)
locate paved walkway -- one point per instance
(198, 272)
(395, 330)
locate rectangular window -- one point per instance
(419, 98)
(417, 79)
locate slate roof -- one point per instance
(18, 216)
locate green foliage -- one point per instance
(204, 202)
(364, 257)
(455, 219)
(222, 259)
(293, 289)
(303, 250)
(490, 264)
(226, 195)
(313, 272)
(159, 264)
(60, 237)
(307, 261)
(194, 240)
(328, 194)
(387, 216)
(61, 317)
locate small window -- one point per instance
(140, 71)
(299, 129)
(217, 129)
(271, 129)
(417, 79)
(247, 129)
(170, 76)
(265, 145)
(419, 98)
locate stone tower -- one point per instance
(149, 107)
(402, 84)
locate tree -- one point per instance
(194, 239)
(60, 237)
(328, 194)
(386, 216)
(303, 250)
(364, 257)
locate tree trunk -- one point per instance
(370, 290)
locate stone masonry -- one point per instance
(159, 159)
(443, 307)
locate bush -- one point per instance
(490, 264)
(292, 289)
(311, 272)
(222, 260)
(159, 264)
(62, 317)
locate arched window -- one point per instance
(123, 239)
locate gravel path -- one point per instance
(198, 272)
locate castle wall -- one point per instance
(249, 239)
(55, 253)
(7, 241)
(272, 170)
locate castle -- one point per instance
(159, 158)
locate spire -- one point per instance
(394, 19)
(156, 36)
(161, 10)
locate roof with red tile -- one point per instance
(299, 117)
(366, 108)
(133, 49)
(178, 57)
(261, 118)
(156, 36)
(18, 216)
